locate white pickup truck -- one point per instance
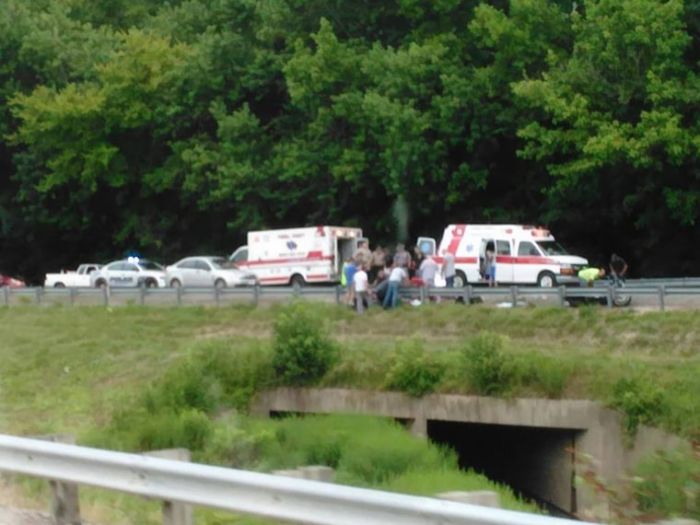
(71, 279)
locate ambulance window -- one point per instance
(527, 248)
(242, 255)
(502, 248)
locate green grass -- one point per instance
(135, 378)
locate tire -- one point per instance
(297, 281)
(59, 285)
(175, 283)
(546, 280)
(100, 283)
(220, 284)
(150, 283)
(460, 279)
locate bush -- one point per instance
(668, 484)
(302, 350)
(641, 401)
(415, 371)
(488, 370)
(545, 375)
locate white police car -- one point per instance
(129, 272)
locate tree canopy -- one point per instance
(173, 127)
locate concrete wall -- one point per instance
(592, 429)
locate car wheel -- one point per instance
(150, 283)
(460, 279)
(175, 283)
(59, 285)
(546, 280)
(297, 281)
(101, 283)
(220, 283)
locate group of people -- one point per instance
(617, 268)
(377, 275)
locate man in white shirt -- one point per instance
(359, 281)
(396, 277)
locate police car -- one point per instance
(131, 272)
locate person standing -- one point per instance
(362, 256)
(378, 260)
(448, 268)
(618, 268)
(401, 257)
(397, 276)
(490, 265)
(427, 271)
(349, 273)
(360, 282)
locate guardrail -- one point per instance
(563, 296)
(238, 491)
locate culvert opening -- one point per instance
(537, 463)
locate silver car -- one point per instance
(204, 271)
(129, 272)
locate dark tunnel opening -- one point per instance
(537, 463)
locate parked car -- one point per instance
(11, 282)
(208, 271)
(129, 272)
(80, 277)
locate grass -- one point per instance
(135, 378)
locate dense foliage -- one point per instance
(175, 126)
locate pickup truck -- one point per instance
(80, 277)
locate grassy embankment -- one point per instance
(147, 378)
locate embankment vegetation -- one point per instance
(140, 378)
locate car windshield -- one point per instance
(552, 248)
(219, 262)
(150, 265)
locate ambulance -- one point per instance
(297, 256)
(524, 254)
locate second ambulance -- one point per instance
(523, 254)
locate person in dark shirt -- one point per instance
(618, 267)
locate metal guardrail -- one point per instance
(238, 491)
(514, 294)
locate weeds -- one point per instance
(415, 371)
(302, 350)
(488, 369)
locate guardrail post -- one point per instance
(514, 295)
(562, 296)
(217, 296)
(72, 293)
(662, 298)
(470, 293)
(37, 292)
(6, 294)
(256, 294)
(422, 294)
(175, 513)
(178, 293)
(65, 504)
(142, 294)
(338, 294)
(610, 297)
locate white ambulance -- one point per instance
(297, 256)
(524, 254)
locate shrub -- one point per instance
(641, 401)
(488, 370)
(302, 350)
(415, 371)
(668, 484)
(543, 374)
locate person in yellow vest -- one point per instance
(588, 275)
